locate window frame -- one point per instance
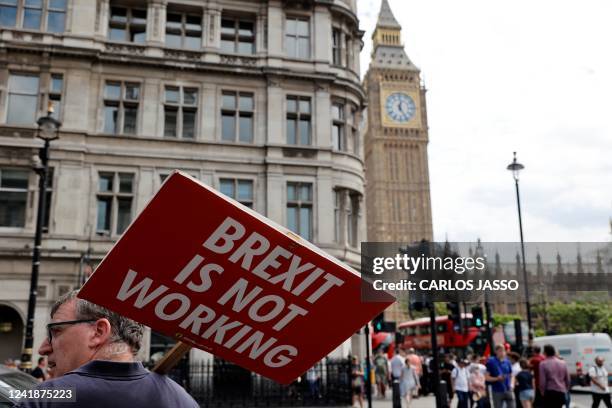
(298, 116)
(340, 123)
(121, 104)
(129, 25)
(25, 191)
(115, 195)
(236, 183)
(183, 31)
(336, 46)
(299, 204)
(237, 112)
(236, 38)
(181, 107)
(45, 10)
(295, 54)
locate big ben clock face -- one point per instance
(400, 107)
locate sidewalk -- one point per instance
(423, 402)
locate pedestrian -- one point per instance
(554, 379)
(357, 381)
(525, 384)
(599, 383)
(477, 386)
(514, 358)
(397, 365)
(446, 368)
(381, 371)
(312, 377)
(534, 362)
(460, 382)
(499, 374)
(91, 350)
(40, 372)
(409, 382)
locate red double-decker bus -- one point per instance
(417, 334)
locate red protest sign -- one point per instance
(199, 267)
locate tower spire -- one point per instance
(386, 19)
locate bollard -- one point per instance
(442, 395)
(397, 398)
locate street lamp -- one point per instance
(515, 167)
(48, 130)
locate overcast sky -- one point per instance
(524, 75)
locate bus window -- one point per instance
(441, 328)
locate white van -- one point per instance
(580, 349)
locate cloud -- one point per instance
(525, 76)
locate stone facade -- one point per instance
(255, 98)
(397, 193)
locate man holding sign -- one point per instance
(91, 361)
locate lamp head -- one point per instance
(48, 126)
(515, 167)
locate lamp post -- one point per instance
(48, 129)
(515, 167)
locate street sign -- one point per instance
(216, 275)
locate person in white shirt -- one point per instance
(599, 383)
(460, 381)
(397, 364)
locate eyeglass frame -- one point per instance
(70, 322)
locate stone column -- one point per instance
(322, 117)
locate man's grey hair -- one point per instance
(123, 329)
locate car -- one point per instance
(12, 379)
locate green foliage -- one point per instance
(504, 318)
(580, 316)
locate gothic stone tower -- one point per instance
(397, 176)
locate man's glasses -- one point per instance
(51, 326)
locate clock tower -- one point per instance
(397, 175)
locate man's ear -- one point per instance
(102, 332)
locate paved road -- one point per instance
(578, 401)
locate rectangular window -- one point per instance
(338, 127)
(337, 215)
(115, 196)
(180, 112)
(297, 37)
(239, 190)
(56, 87)
(336, 46)
(299, 209)
(237, 35)
(299, 114)
(354, 125)
(33, 13)
(8, 13)
(183, 30)
(22, 99)
(352, 219)
(13, 197)
(56, 16)
(121, 100)
(237, 116)
(127, 24)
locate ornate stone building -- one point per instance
(397, 192)
(259, 99)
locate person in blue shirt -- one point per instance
(91, 351)
(499, 375)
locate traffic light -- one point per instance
(378, 323)
(477, 316)
(454, 315)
